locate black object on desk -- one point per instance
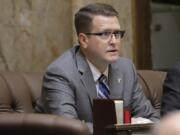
(106, 112)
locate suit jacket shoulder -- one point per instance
(63, 62)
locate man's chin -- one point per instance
(112, 60)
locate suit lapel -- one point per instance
(89, 84)
(115, 83)
(86, 76)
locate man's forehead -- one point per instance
(106, 22)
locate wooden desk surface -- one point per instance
(128, 129)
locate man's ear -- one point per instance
(83, 40)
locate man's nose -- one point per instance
(113, 38)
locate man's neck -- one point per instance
(101, 66)
(102, 69)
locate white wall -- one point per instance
(165, 35)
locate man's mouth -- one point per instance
(113, 50)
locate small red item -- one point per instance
(127, 116)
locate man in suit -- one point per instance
(71, 82)
(171, 90)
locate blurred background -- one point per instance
(35, 32)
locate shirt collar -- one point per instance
(95, 72)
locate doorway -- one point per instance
(157, 33)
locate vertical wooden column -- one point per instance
(141, 33)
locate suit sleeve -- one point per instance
(141, 106)
(58, 96)
(171, 91)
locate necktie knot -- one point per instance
(103, 87)
(103, 78)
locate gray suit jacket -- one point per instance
(69, 89)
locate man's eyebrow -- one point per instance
(111, 30)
